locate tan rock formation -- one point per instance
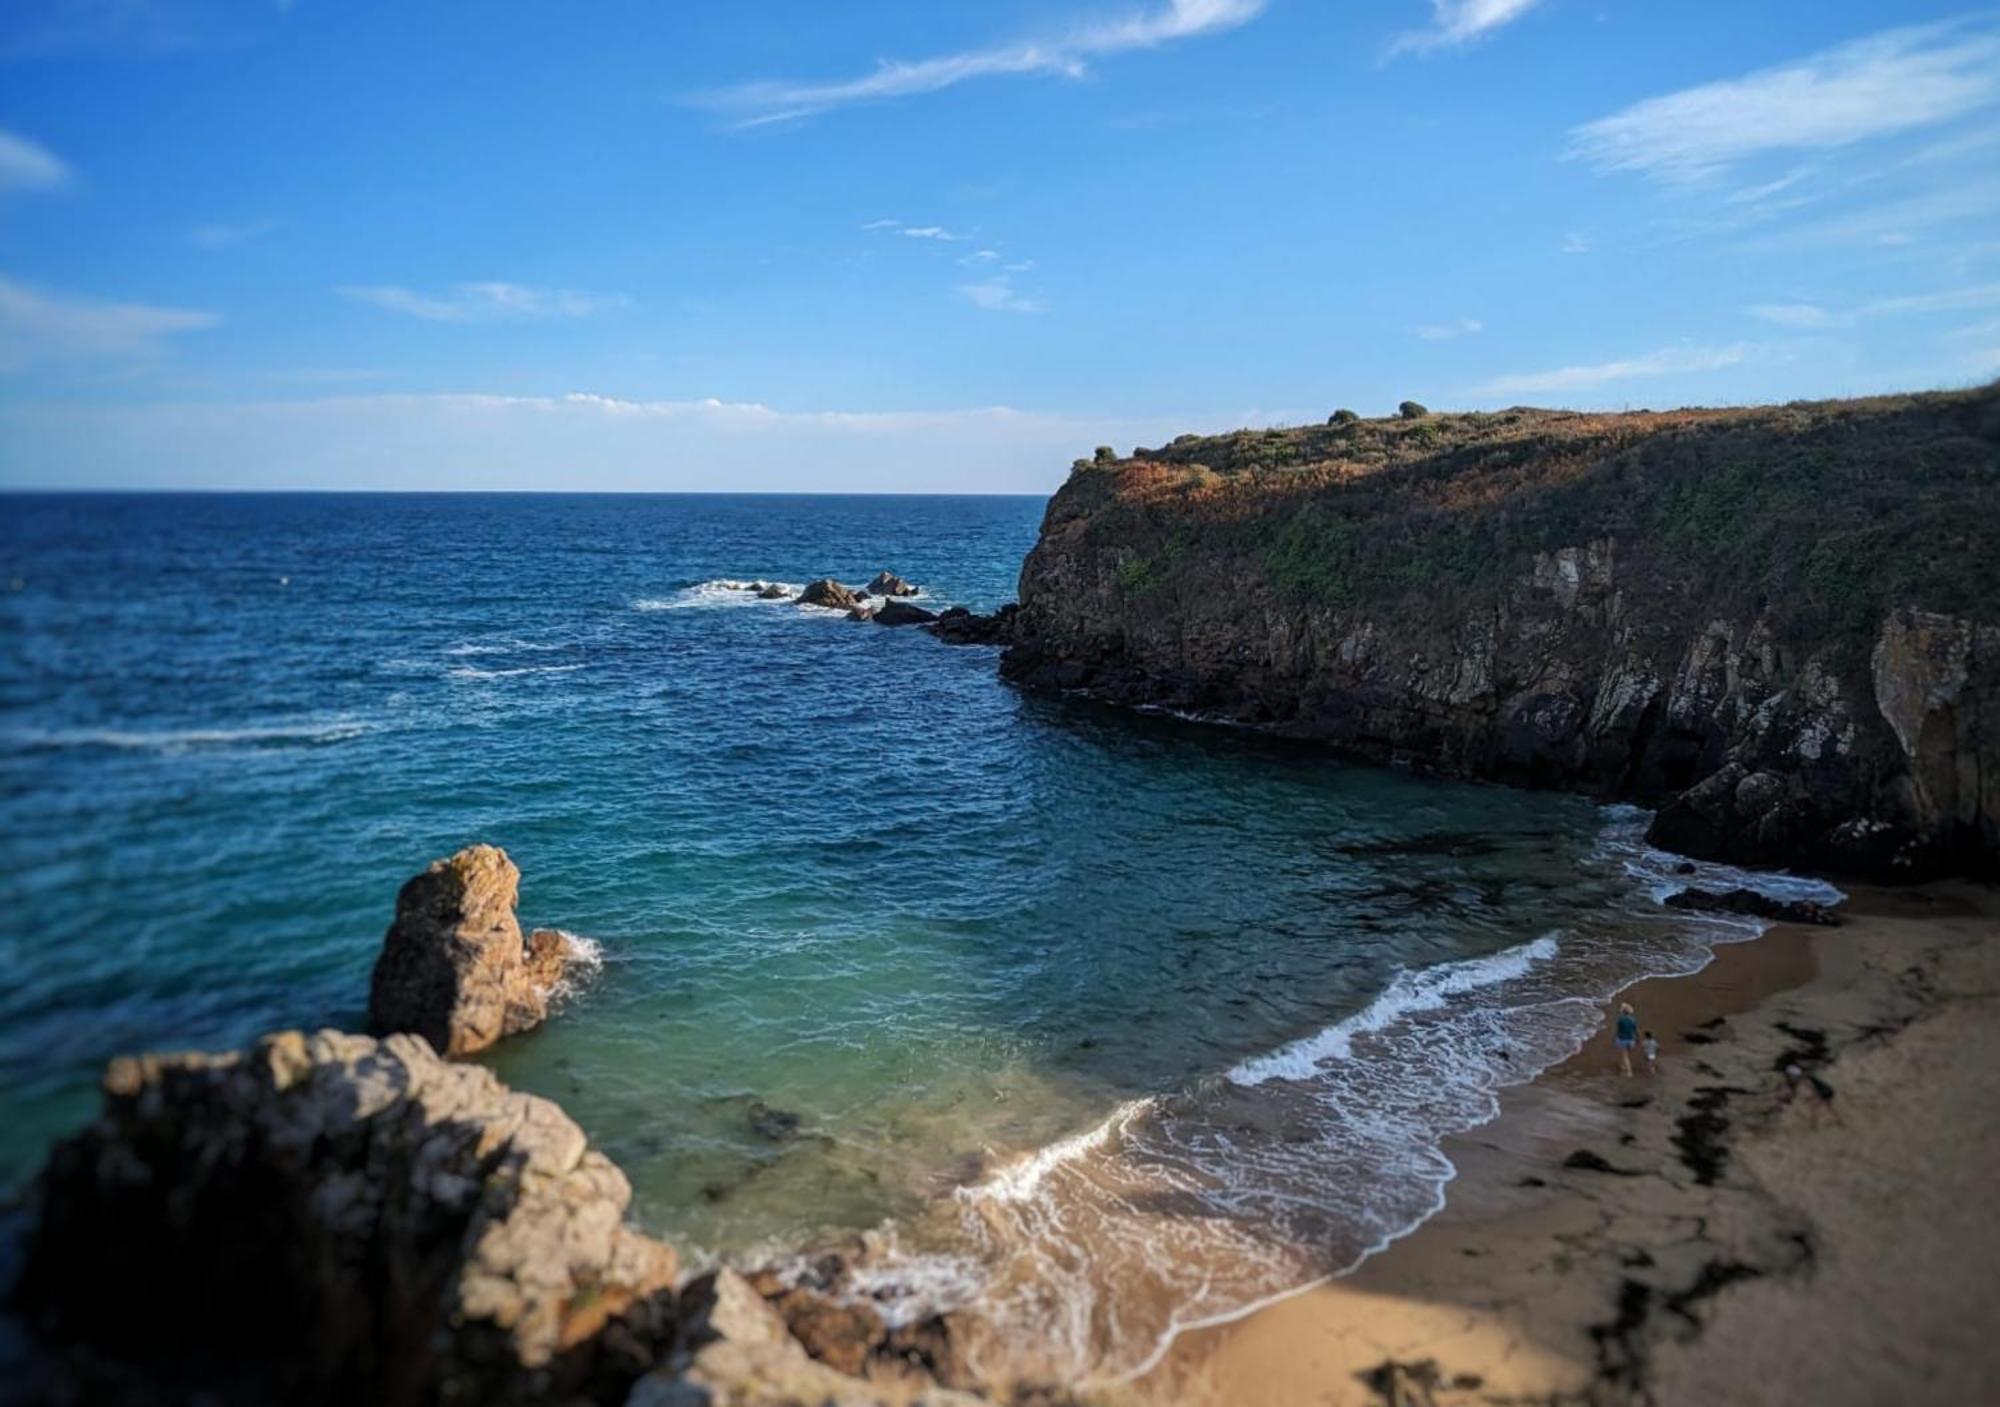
(454, 968)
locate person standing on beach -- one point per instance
(1625, 1034)
(1649, 1046)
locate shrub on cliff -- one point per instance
(1412, 410)
(1342, 417)
(1106, 454)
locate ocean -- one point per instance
(1094, 1025)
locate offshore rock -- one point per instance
(903, 613)
(828, 594)
(773, 592)
(889, 584)
(1779, 626)
(336, 1219)
(960, 626)
(454, 968)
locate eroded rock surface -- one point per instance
(338, 1219)
(454, 967)
(889, 584)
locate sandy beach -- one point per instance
(1695, 1237)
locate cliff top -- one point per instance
(1822, 512)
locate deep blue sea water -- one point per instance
(885, 943)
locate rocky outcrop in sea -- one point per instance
(454, 967)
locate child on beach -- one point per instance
(1625, 1035)
(1650, 1047)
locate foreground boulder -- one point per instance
(1749, 901)
(889, 584)
(336, 1219)
(829, 594)
(454, 968)
(903, 613)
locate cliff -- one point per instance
(1780, 625)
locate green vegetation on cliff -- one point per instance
(1820, 515)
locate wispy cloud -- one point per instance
(222, 234)
(1668, 361)
(1458, 22)
(483, 302)
(1800, 315)
(1445, 331)
(27, 166)
(936, 232)
(1895, 81)
(38, 327)
(1577, 242)
(1808, 316)
(998, 295)
(1065, 55)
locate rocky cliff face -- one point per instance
(1780, 626)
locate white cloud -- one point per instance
(1445, 331)
(1793, 314)
(483, 302)
(577, 441)
(931, 232)
(1895, 81)
(998, 295)
(1668, 361)
(1945, 300)
(38, 327)
(221, 234)
(1065, 55)
(28, 166)
(1457, 22)
(1576, 242)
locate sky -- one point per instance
(894, 245)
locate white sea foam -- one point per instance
(305, 734)
(583, 959)
(1023, 1178)
(721, 592)
(508, 646)
(1425, 989)
(466, 671)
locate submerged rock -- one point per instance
(829, 594)
(773, 592)
(454, 968)
(336, 1219)
(889, 584)
(903, 613)
(1749, 901)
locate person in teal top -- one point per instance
(1625, 1035)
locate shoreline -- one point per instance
(1561, 1264)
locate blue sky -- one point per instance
(876, 246)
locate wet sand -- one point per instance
(1695, 1238)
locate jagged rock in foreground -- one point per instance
(454, 968)
(336, 1219)
(747, 1357)
(1779, 625)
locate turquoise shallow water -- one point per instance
(875, 928)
